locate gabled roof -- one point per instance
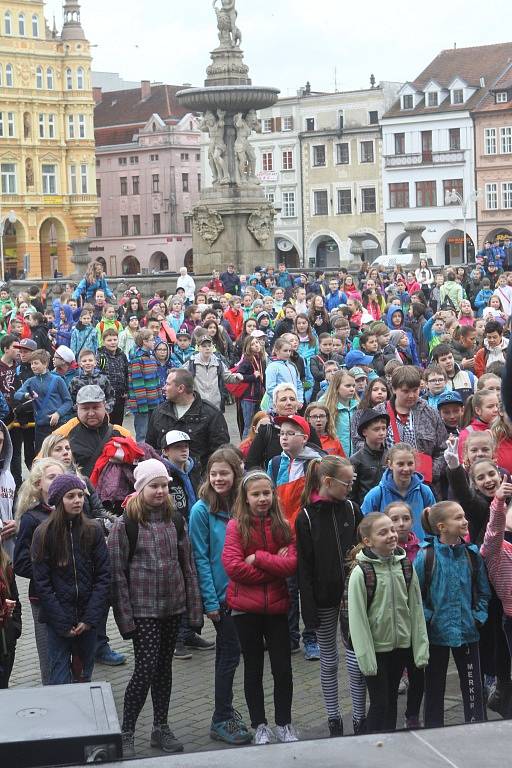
(502, 83)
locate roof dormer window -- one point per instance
(432, 99)
(408, 101)
(501, 97)
(457, 96)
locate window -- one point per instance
(98, 187)
(408, 101)
(184, 157)
(39, 78)
(71, 127)
(1, 123)
(122, 160)
(270, 195)
(41, 126)
(7, 23)
(266, 125)
(35, 26)
(155, 182)
(310, 123)
(187, 225)
(184, 182)
(506, 140)
(367, 152)
(458, 96)
(287, 123)
(124, 226)
(454, 138)
(491, 197)
(84, 185)
(506, 194)
(49, 79)
(319, 155)
(432, 99)
(9, 80)
(426, 194)
(69, 79)
(321, 203)
(8, 177)
(288, 210)
(81, 126)
(368, 200)
(21, 24)
(342, 153)
(135, 185)
(373, 117)
(72, 180)
(80, 78)
(490, 141)
(11, 124)
(153, 158)
(134, 160)
(123, 182)
(267, 161)
(501, 97)
(98, 226)
(49, 173)
(98, 162)
(453, 184)
(136, 224)
(198, 157)
(399, 143)
(344, 201)
(399, 195)
(341, 120)
(198, 182)
(287, 160)
(156, 223)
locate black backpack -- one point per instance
(132, 533)
(430, 561)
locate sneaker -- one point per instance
(231, 731)
(163, 738)
(294, 647)
(110, 658)
(404, 685)
(198, 643)
(263, 735)
(311, 651)
(286, 733)
(335, 726)
(412, 723)
(128, 744)
(359, 726)
(180, 652)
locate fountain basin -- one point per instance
(230, 98)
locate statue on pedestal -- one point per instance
(229, 34)
(29, 172)
(217, 149)
(244, 152)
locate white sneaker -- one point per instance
(404, 685)
(286, 733)
(263, 735)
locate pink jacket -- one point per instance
(497, 554)
(260, 587)
(412, 546)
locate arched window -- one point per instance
(35, 26)
(7, 23)
(21, 24)
(9, 82)
(69, 79)
(49, 79)
(39, 77)
(80, 78)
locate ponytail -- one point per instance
(468, 413)
(436, 514)
(318, 468)
(425, 521)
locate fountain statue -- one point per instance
(232, 222)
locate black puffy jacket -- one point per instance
(77, 592)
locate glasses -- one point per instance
(318, 416)
(343, 482)
(435, 381)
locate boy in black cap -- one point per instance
(370, 461)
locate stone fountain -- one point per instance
(233, 222)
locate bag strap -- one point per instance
(275, 463)
(370, 582)
(473, 564)
(430, 557)
(392, 422)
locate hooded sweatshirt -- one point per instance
(64, 327)
(412, 344)
(7, 488)
(163, 368)
(289, 476)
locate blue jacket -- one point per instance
(344, 424)
(451, 619)
(333, 300)
(64, 329)
(181, 356)
(418, 496)
(207, 534)
(84, 337)
(482, 300)
(52, 396)
(78, 591)
(87, 290)
(280, 372)
(283, 280)
(414, 351)
(22, 561)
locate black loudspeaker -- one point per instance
(58, 725)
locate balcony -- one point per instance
(427, 158)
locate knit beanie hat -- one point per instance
(147, 471)
(61, 485)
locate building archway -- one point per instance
(130, 265)
(53, 242)
(451, 248)
(287, 252)
(14, 243)
(501, 234)
(103, 263)
(401, 244)
(158, 262)
(188, 261)
(324, 251)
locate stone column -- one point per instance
(416, 241)
(81, 256)
(356, 246)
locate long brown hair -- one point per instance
(52, 538)
(329, 426)
(312, 340)
(137, 510)
(216, 502)
(366, 401)
(5, 570)
(472, 403)
(280, 527)
(331, 398)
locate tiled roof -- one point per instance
(123, 108)
(505, 81)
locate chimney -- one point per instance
(482, 82)
(97, 95)
(145, 88)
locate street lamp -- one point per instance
(454, 198)
(11, 218)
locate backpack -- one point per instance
(132, 533)
(370, 581)
(430, 561)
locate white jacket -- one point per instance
(7, 488)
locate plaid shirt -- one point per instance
(162, 579)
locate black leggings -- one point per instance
(252, 628)
(383, 689)
(153, 646)
(467, 660)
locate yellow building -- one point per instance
(47, 157)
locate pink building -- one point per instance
(148, 177)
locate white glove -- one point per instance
(451, 455)
(240, 376)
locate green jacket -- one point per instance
(395, 618)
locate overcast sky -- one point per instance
(286, 42)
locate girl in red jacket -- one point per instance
(259, 555)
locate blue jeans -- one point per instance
(141, 421)
(227, 658)
(248, 411)
(294, 615)
(102, 638)
(71, 659)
